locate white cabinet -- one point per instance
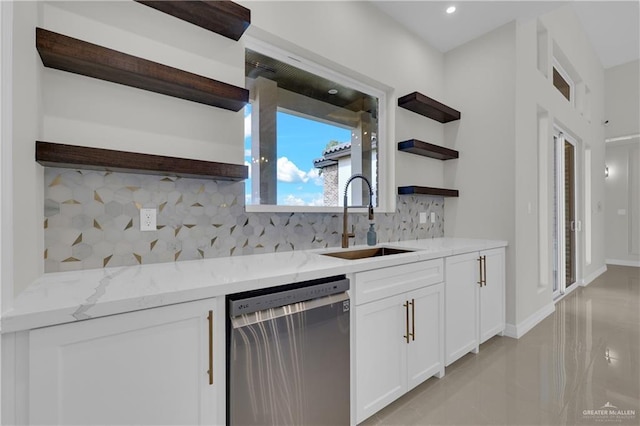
(425, 351)
(492, 303)
(461, 306)
(144, 367)
(381, 359)
(475, 307)
(399, 336)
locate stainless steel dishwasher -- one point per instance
(288, 355)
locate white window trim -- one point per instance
(565, 75)
(385, 195)
(559, 213)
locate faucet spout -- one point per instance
(345, 233)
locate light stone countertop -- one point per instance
(64, 297)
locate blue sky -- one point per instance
(300, 141)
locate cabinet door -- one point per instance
(145, 367)
(461, 305)
(426, 350)
(381, 354)
(492, 304)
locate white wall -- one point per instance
(27, 188)
(6, 188)
(6, 240)
(55, 106)
(567, 31)
(622, 100)
(622, 109)
(88, 111)
(536, 97)
(508, 111)
(622, 215)
(480, 83)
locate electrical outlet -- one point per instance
(423, 217)
(148, 219)
(433, 217)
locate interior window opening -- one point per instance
(562, 81)
(305, 135)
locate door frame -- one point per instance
(560, 285)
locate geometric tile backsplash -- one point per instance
(92, 220)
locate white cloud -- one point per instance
(289, 172)
(247, 153)
(316, 178)
(318, 201)
(292, 200)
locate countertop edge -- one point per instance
(86, 303)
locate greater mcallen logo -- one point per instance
(609, 413)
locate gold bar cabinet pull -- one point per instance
(413, 319)
(480, 266)
(210, 372)
(406, 310)
(484, 270)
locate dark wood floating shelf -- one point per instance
(418, 147)
(80, 57)
(425, 190)
(223, 17)
(424, 105)
(80, 157)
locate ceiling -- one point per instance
(613, 27)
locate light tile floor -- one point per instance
(584, 356)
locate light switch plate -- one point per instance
(433, 217)
(423, 217)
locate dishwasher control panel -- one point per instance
(246, 303)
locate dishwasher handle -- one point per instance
(282, 311)
(241, 304)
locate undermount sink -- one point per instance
(366, 253)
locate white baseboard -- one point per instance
(510, 330)
(519, 330)
(622, 262)
(587, 280)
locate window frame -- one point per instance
(323, 67)
(567, 78)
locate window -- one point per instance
(307, 130)
(562, 81)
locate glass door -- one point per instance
(570, 213)
(565, 223)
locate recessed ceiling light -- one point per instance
(333, 91)
(451, 9)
